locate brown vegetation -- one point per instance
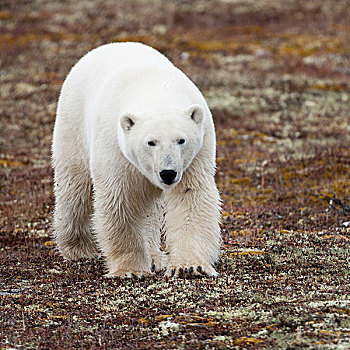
(276, 76)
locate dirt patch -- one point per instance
(276, 76)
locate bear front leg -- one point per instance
(120, 203)
(153, 226)
(192, 228)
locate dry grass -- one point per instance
(276, 76)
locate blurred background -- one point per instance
(275, 74)
(276, 77)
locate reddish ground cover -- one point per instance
(276, 76)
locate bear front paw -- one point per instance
(159, 262)
(190, 270)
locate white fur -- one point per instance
(125, 114)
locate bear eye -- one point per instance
(151, 143)
(181, 141)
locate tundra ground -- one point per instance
(276, 76)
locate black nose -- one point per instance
(168, 176)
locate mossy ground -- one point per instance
(276, 76)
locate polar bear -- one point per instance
(134, 142)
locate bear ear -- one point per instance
(127, 121)
(195, 113)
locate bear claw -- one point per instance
(190, 272)
(159, 262)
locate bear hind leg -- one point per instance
(72, 223)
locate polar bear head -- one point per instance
(162, 145)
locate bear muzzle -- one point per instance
(168, 176)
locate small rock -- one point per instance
(219, 338)
(185, 56)
(310, 103)
(23, 89)
(167, 326)
(159, 29)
